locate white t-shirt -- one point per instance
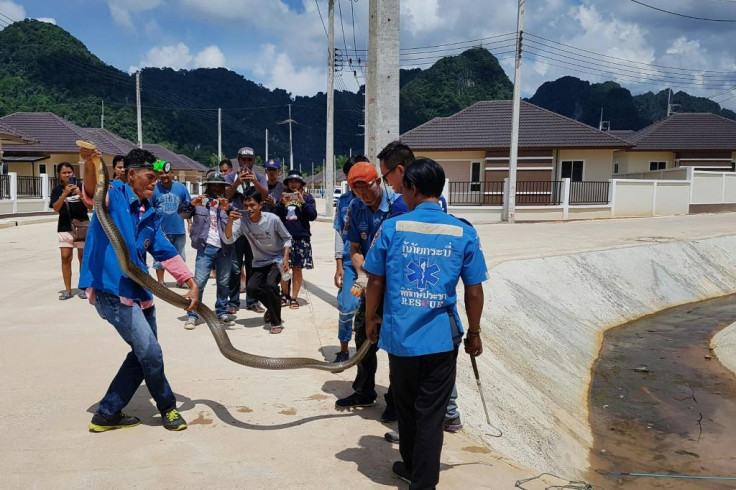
(213, 236)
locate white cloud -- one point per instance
(420, 16)
(122, 11)
(279, 71)
(48, 20)
(11, 11)
(179, 57)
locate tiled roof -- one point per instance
(177, 161)
(10, 134)
(52, 133)
(687, 131)
(624, 134)
(486, 125)
(121, 145)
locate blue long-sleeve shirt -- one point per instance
(297, 223)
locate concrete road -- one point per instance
(248, 428)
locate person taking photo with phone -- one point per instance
(66, 200)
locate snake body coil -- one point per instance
(218, 331)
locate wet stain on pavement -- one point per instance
(245, 410)
(318, 396)
(477, 450)
(659, 404)
(201, 420)
(288, 411)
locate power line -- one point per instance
(681, 15)
(320, 18)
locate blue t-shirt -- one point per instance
(361, 223)
(142, 234)
(341, 214)
(166, 201)
(422, 254)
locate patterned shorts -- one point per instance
(300, 256)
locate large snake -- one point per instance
(218, 332)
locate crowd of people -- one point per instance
(398, 259)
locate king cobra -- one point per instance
(218, 332)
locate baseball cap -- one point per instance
(246, 152)
(272, 164)
(362, 172)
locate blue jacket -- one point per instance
(299, 228)
(201, 225)
(141, 233)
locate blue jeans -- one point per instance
(347, 304)
(179, 242)
(451, 411)
(222, 262)
(145, 361)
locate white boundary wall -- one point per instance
(543, 327)
(713, 187)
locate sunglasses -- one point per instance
(364, 185)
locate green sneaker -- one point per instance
(173, 420)
(101, 423)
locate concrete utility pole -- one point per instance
(102, 116)
(219, 134)
(291, 149)
(513, 158)
(138, 103)
(329, 166)
(266, 145)
(382, 80)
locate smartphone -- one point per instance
(72, 180)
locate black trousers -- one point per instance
(421, 389)
(242, 256)
(365, 379)
(263, 285)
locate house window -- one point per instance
(474, 176)
(657, 165)
(41, 168)
(615, 168)
(572, 170)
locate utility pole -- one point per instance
(219, 134)
(102, 116)
(291, 150)
(138, 103)
(382, 79)
(266, 144)
(330, 143)
(513, 158)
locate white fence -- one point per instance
(713, 187)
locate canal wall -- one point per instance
(543, 326)
(724, 345)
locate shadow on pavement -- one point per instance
(374, 458)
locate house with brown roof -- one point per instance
(51, 140)
(683, 140)
(473, 147)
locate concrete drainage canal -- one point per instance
(661, 403)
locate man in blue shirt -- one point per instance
(373, 204)
(166, 199)
(121, 301)
(345, 273)
(394, 159)
(413, 267)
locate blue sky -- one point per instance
(282, 43)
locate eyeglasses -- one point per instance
(384, 177)
(246, 158)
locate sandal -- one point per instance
(293, 304)
(82, 295)
(65, 295)
(276, 329)
(285, 300)
(256, 307)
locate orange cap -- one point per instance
(362, 172)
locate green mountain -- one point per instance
(452, 84)
(583, 101)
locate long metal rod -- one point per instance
(480, 388)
